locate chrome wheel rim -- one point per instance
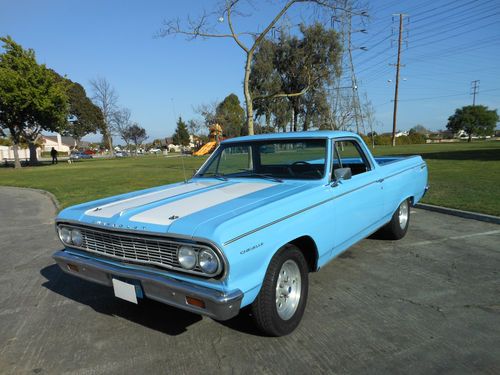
(288, 289)
(403, 214)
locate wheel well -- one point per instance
(308, 247)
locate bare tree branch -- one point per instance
(230, 23)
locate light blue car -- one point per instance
(258, 216)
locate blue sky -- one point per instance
(450, 43)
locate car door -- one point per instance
(357, 201)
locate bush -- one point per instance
(46, 154)
(383, 140)
(417, 138)
(367, 139)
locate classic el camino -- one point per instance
(259, 215)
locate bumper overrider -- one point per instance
(216, 304)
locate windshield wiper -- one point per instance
(262, 175)
(218, 176)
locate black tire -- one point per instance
(394, 230)
(264, 308)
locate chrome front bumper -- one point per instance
(218, 305)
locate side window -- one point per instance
(348, 154)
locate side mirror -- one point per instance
(341, 174)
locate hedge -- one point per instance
(46, 154)
(386, 140)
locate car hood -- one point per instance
(194, 209)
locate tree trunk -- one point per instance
(470, 138)
(295, 118)
(33, 156)
(110, 144)
(15, 148)
(248, 96)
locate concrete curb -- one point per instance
(460, 213)
(44, 192)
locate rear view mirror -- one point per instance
(342, 174)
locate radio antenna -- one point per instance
(183, 167)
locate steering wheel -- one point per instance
(294, 164)
(299, 162)
(307, 172)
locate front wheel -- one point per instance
(400, 221)
(280, 305)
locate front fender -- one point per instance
(249, 258)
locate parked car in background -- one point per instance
(155, 151)
(260, 215)
(121, 154)
(78, 155)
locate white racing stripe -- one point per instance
(183, 207)
(111, 209)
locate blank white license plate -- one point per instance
(125, 291)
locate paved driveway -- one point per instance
(428, 304)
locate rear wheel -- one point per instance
(280, 305)
(400, 221)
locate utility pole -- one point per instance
(398, 65)
(475, 91)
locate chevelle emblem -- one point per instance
(251, 248)
(105, 224)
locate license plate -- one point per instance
(125, 291)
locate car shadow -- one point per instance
(148, 313)
(244, 323)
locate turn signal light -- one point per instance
(195, 302)
(72, 267)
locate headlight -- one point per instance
(76, 237)
(208, 261)
(65, 235)
(187, 257)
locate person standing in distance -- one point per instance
(54, 153)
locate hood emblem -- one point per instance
(173, 217)
(97, 209)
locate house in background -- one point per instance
(61, 144)
(7, 153)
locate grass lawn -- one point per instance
(464, 176)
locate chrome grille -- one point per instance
(134, 248)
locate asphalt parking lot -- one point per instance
(428, 304)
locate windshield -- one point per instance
(272, 159)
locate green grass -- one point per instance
(464, 176)
(461, 175)
(86, 180)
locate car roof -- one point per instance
(327, 134)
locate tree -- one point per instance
(84, 116)
(419, 129)
(208, 112)
(181, 135)
(121, 124)
(474, 119)
(231, 116)
(137, 135)
(31, 98)
(369, 116)
(297, 69)
(106, 98)
(203, 28)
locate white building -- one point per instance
(7, 152)
(61, 144)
